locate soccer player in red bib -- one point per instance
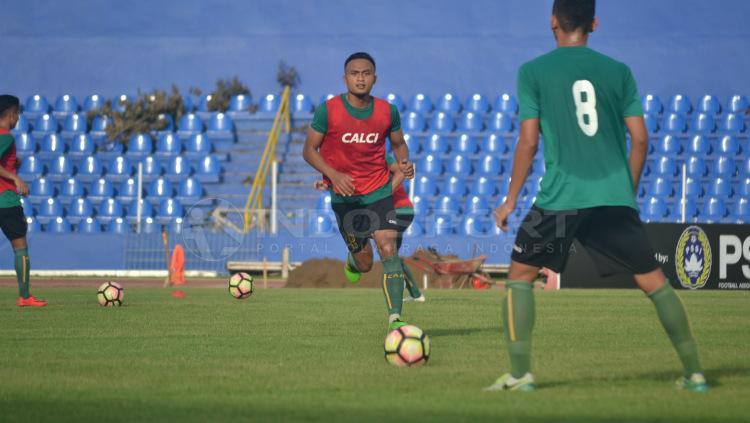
(12, 220)
(346, 143)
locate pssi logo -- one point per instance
(693, 258)
(363, 138)
(731, 249)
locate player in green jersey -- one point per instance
(580, 100)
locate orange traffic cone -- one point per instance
(177, 266)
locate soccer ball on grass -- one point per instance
(241, 285)
(110, 294)
(407, 346)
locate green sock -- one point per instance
(409, 279)
(673, 318)
(22, 271)
(351, 263)
(393, 285)
(518, 322)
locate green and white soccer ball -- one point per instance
(110, 294)
(241, 285)
(407, 346)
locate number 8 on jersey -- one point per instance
(585, 99)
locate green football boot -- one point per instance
(396, 324)
(507, 382)
(351, 275)
(695, 383)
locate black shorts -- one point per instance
(358, 221)
(614, 236)
(13, 222)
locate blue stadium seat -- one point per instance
(51, 148)
(36, 105)
(207, 170)
(737, 104)
(60, 169)
(321, 224)
(32, 225)
(430, 165)
(691, 210)
(74, 124)
(669, 145)
(150, 226)
(442, 123)
(190, 124)
(197, 147)
(40, 190)
(720, 187)
(79, 209)
(425, 187)
(147, 210)
(168, 146)
(696, 167)
(441, 225)
(680, 104)
(89, 225)
(674, 123)
(500, 122)
(100, 190)
(436, 144)
(81, 146)
(466, 144)
(99, 127)
(70, 190)
(28, 208)
(652, 104)
(743, 187)
(733, 123)
(415, 147)
(447, 206)
(93, 102)
(324, 202)
(744, 169)
(655, 210)
(459, 165)
(31, 168)
(165, 124)
(699, 145)
(703, 124)
(22, 126)
(471, 122)
(505, 103)
(240, 103)
(151, 168)
(477, 103)
(89, 169)
(45, 124)
(740, 213)
(118, 226)
(302, 105)
(724, 167)
(119, 169)
(661, 187)
(25, 145)
(693, 188)
(175, 226)
(108, 210)
(413, 122)
(189, 191)
(448, 103)
(178, 169)
(395, 100)
(415, 229)
(220, 127)
(454, 187)
(48, 210)
(709, 104)
(420, 103)
(652, 123)
(484, 187)
(121, 102)
(169, 209)
(489, 165)
(58, 225)
(160, 189)
(139, 146)
(494, 144)
(128, 191)
(203, 103)
(421, 205)
(269, 104)
(714, 210)
(476, 204)
(65, 105)
(665, 166)
(729, 146)
(476, 225)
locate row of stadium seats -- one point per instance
(188, 190)
(81, 208)
(87, 169)
(92, 225)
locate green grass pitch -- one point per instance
(316, 355)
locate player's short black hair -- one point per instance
(575, 14)
(360, 55)
(8, 102)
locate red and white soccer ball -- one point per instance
(110, 294)
(407, 346)
(241, 285)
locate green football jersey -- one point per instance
(581, 98)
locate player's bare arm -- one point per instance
(401, 153)
(638, 147)
(397, 176)
(528, 143)
(341, 182)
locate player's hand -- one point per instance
(342, 183)
(320, 185)
(21, 187)
(501, 215)
(407, 168)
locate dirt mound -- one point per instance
(329, 273)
